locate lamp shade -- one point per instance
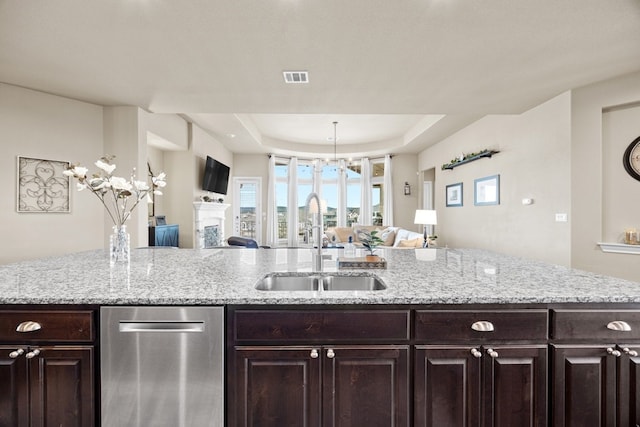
(426, 217)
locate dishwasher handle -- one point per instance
(161, 326)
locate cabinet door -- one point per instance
(366, 386)
(584, 386)
(628, 407)
(447, 387)
(62, 387)
(275, 387)
(515, 386)
(14, 392)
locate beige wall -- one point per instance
(34, 124)
(405, 169)
(534, 162)
(125, 138)
(605, 200)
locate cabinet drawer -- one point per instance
(320, 326)
(595, 324)
(60, 326)
(465, 325)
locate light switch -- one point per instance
(562, 217)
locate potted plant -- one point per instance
(370, 241)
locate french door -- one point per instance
(247, 209)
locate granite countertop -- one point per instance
(165, 276)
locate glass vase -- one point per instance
(119, 245)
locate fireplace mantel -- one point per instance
(207, 214)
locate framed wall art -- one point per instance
(42, 186)
(454, 194)
(486, 191)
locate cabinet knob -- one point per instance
(475, 353)
(14, 354)
(331, 354)
(630, 352)
(482, 326)
(613, 352)
(491, 352)
(28, 326)
(33, 353)
(314, 353)
(619, 325)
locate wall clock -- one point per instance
(631, 159)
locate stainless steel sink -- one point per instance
(320, 282)
(352, 283)
(288, 283)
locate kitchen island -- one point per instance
(459, 337)
(228, 276)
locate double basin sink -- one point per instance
(320, 282)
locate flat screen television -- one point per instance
(216, 176)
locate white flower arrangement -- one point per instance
(118, 195)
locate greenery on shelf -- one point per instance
(465, 158)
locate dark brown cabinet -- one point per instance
(276, 386)
(481, 368)
(596, 368)
(325, 382)
(43, 383)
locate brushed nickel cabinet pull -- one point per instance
(483, 326)
(613, 352)
(630, 352)
(16, 353)
(28, 326)
(314, 353)
(475, 353)
(33, 353)
(619, 325)
(491, 352)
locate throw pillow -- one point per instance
(330, 234)
(415, 243)
(343, 233)
(388, 235)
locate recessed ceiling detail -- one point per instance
(295, 77)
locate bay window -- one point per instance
(340, 186)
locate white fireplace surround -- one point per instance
(207, 214)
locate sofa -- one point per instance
(393, 237)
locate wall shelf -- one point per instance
(472, 158)
(619, 248)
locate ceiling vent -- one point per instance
(295, 77)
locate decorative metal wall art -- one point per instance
(42, 187)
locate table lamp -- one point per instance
(425, 217)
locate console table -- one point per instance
(163, 235)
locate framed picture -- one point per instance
(486, 191)
(161, 220)
(42, 186)
(454, 194)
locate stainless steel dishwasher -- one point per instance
(162, 366)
